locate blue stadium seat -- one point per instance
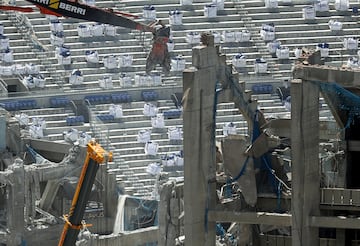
(106, 117)
(123, 97)
(59, 102)
(9, 106)
(98, 99)
(18, 105)
(172, 114)
(26, 104)
(149, 95)
(75, 120)
(262, 89)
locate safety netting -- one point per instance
(344, 100)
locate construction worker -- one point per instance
(159, 53)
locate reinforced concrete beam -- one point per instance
(264, 218)
(345, 77)
(335, 222)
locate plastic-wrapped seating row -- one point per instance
(19, 104)
(262, 89)
(172, 114)
(59, 102)
(149, 95)
(122, 97)
(75, 120)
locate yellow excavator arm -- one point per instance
(73, 221)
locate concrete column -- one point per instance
(15, 204)
(199, 146)
(2, 133)
(305, 161)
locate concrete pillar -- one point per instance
(49, 194)
(305, 161)
(15, 204)
(2, 133)
(199, 146)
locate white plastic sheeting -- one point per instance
(271, 4)
(23, 119)
(151, 148)
(106, 82)
(71, 135)
(353, 62)
(125, 80)
(76, 77)
(116, 111)
(178, 63)
(228, 36)
(110, 30)
(351, 43)
(6, 70)
(217, 36)
(267, 32)
(64, 59)
(90, 2)
(18, 69)
(39, 121)
(172, 159)
(193, 38)
(260, 65)
(175, 17)
(125, 60)
(342, 5)
(324, 49)
(92, 56)
(32, 68)
(309, 13)
(110, 61)
(175, 133)
(75, 136)
(36, 131)
(220, 5)
(321, 5)
(7, 56)
(335, 25)
(158, 121)
(283, 52)
(210, 10)
(297, 53)
(32, 81)
(239, 60)
(142, 80)
(143, 136)
(56, 26)
(150, 110)
(186, 2)
(170, 45)
(242, 36)
(153, 168)
(57, 38)
(4, 42)
(229, 128)
(97, 30)
(149, 12)
(84, 30)
(273, 46)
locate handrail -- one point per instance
(75, 107)
(4, 91)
